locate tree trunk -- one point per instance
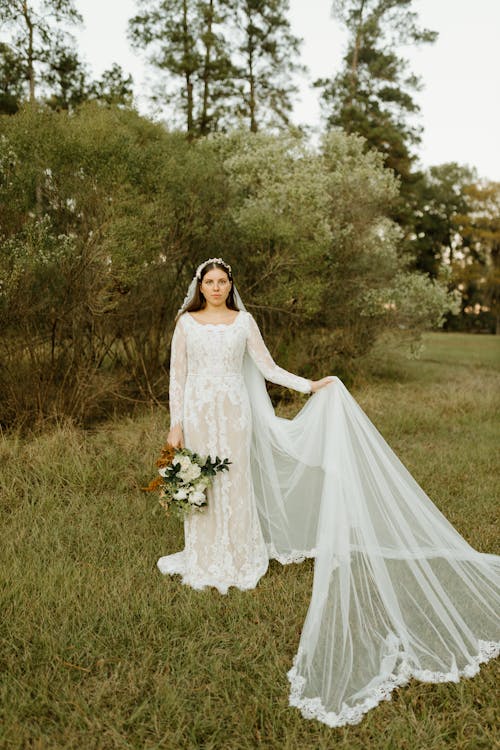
(204, 126)
(251, 76)
(31, 65)
(495, 300)
(355, 53)
(188, 79)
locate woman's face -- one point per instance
(216, 286)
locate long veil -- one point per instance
(397, 592)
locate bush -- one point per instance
(105, 215)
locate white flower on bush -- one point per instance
(197, 497)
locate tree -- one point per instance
(373, 94)
(185, 39)
(113, 87)
(477, 270)
(168, 29)
(232, 59)
(36, 33)
(93, 270)
(440, 196)
(217, 70)
(268, 52)
(11, 80)
(67, 78)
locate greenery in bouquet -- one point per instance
(184, 477)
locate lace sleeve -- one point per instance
(270, 370)
(178, 372)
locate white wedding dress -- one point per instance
(397, 592)
(224, 546)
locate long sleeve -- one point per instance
(269, 369)
(178, 373)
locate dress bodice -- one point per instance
(216, 351)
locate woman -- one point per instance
(397, 592)
(210, 413)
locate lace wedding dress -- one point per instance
(224, 546)
(397, 592)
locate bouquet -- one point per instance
(184, 478)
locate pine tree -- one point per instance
(217, 70)
(231, 59)
(185, 38)
(113, 87)
(268, 53)
(36, 34)
(67, 78)
(11, 80)
(373, 93)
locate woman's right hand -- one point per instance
(175, 437)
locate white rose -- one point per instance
(197, 498)
(193, 472)
(180, 495)
(183, 461)
(201, 484)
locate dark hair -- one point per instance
(198, 302)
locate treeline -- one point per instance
(105, 215)
(225, 64)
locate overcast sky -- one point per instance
(460, 102)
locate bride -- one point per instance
(397, 592)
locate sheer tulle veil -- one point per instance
(397, 592)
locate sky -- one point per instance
(460, 100)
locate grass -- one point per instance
(101, 651)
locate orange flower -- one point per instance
(167, 454)
(153, 485)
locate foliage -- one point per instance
(440, 197)
(373, 93)
(37, 34)
(230, 61)
(186, 38)
(476, 268)
(457, 227)
(42, 63)
(105, 215)
(267, 53)
(11, 80)
(98, 650)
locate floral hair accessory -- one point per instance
(212, 260)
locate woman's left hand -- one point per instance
(316, 385)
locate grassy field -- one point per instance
(100, 651)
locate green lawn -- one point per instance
(100, 651)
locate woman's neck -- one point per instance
(215, 311)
